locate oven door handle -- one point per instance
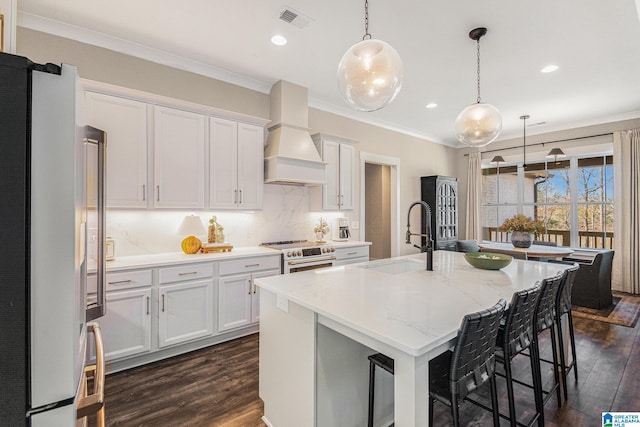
(309, 261)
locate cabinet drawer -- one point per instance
(185, 272)
(247, 265)
(128, 279)
(352, 252)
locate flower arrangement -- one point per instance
(322, 227)
(522, 222)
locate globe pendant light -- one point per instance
(480, 123)
(370, 72)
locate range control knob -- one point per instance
(333, 249)
(299, 253)
(289, 254)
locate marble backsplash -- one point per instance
(285, 216)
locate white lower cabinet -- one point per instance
(234, 301)
(238, 296)
(185, 312)
(126, 326)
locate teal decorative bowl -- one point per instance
(488, 260)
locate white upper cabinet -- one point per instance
(338, 192)
(125, 122)
(179, 158)
(236, 164)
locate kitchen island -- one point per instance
(318, 327)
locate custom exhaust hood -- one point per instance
(290, 156)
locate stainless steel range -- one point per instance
(303, 255)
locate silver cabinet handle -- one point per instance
(158, 197)
(148, 301)
(188, 274)
(252, 265)
(162, 302)
(120, 282)
(144, 192)
(240, 191)
(235, 196)
(352, 253)
(250, 286)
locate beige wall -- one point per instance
(418, 157)
(377, 208)
(108, 66)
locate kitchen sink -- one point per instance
(397, 266)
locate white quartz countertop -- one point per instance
(398, 302)
(155, 260)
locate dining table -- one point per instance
(533, 251)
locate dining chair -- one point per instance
(563, 307)
(467, 246)
(456, 373)
(514, 254)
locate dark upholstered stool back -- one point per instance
(518, 331)
(563, 301)
(473, 361)
(546, 313)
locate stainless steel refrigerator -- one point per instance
(51, 184)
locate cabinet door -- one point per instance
(234, 301)
(179, 163)
(223, 160)
(250, 166)
(331, 190)
(255, 296)
(347, 156)
(126, 327)
(125, 122)
(185, 312)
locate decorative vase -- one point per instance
(521, 239)
(320, 236)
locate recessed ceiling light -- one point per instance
(549, 69)
(279, 40)
(432, 105)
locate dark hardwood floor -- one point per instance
(218, 386)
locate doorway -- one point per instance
(379, 204)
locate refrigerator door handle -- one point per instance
(99, 138)
(94, 402)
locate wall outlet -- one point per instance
(355, 225)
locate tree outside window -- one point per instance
(576, 209)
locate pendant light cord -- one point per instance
(366, 36)
(478, 47)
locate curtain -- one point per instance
(626, 164)
(474, 198)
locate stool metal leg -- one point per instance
(372, 386)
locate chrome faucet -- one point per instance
(428, 248)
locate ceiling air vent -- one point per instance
(295, 18)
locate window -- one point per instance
(572, 197)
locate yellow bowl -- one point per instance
(488, 260)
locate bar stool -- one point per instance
(385, 363)
(514, 337)
(454, 374)
(546, 320)
(563, 306)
